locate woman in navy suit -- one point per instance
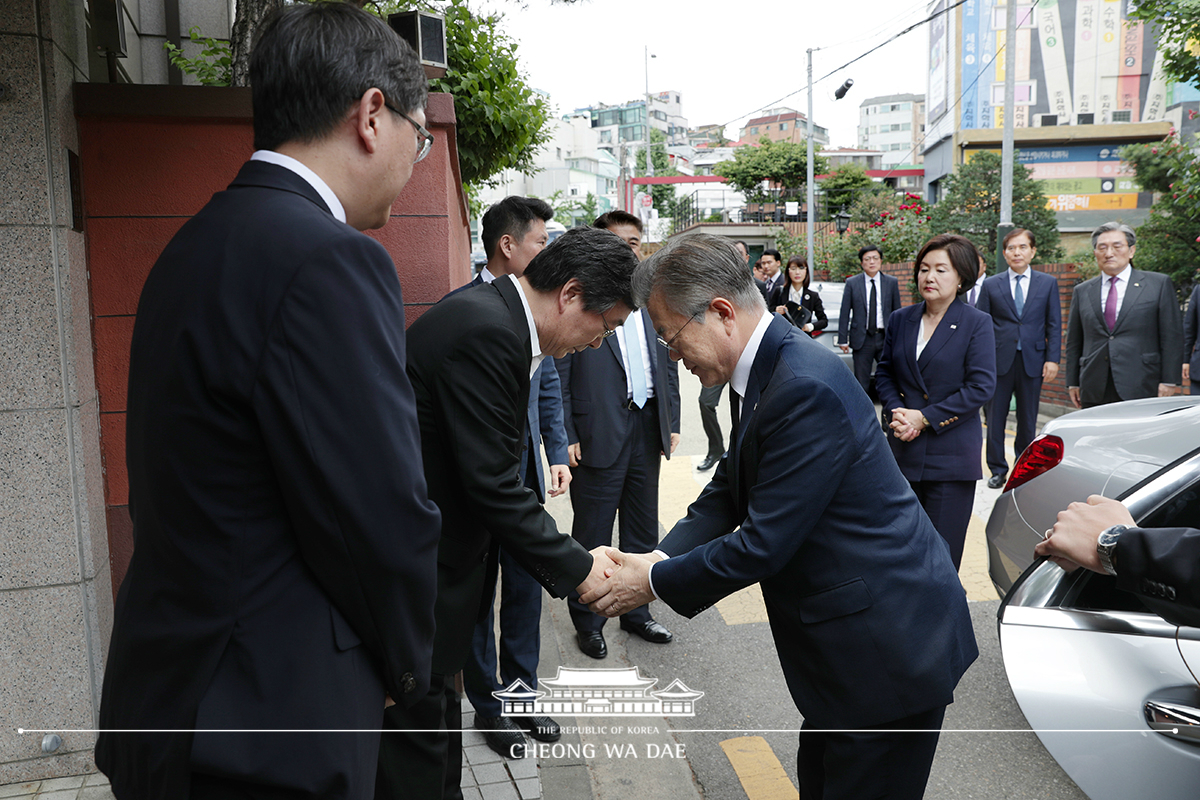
(937, 369)
(794, 300)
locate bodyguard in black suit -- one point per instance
(868, 300)
(285, 546)
(1191, 354)
(868, 615)
(1027, 319)
(617, 437)
(471, 358)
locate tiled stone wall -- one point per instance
(55, 581)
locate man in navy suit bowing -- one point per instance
(869, 299)
(868, 615)
(283, 576)
(621, 408)
(1027, 316)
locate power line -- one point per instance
(909, 29)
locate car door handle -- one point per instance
(1173, 719)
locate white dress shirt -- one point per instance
(879, 323)
(633, 327)
(314, 180)
(535, 343)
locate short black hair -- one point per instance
(601, 262)
(963, 257)
(512, 215)
(1015, 232)
(312, 62)
(798, 261)
(862, 251)
(774, 254)
(617, 217)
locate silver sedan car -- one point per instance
(1107, 684)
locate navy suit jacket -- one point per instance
(1191, 326)
(869, 617)
(594, 393)
(1038, 329)
(953, 378)
(283, 569)
(1162, 565)
(855, 303)
(545, 418)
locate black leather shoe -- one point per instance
(650, 631)
(543, 729)
(503, 735)
(708, 463)
(996, 481)
(592, 644)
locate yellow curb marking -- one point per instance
(760, 772)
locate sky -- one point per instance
(729, 60)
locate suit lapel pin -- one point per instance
(953, 327)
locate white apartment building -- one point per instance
(895, 125)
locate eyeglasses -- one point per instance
(668, 344)
(1116, 248)
(424, 137)
(1017, 248)
(608, 329)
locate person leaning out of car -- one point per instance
(1160, 564)
(794, 300)
(937, 368)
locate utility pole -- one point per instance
(649, 163)
(1006, 153)
(810, 188)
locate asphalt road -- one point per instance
(741, 743)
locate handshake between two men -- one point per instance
(619, 582)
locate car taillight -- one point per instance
(1043, 454)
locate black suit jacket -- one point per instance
(1143, 349)
(867, 612)
(1191, 327)
(811, 310)
(284, 543)
(1038, 328)
(852, 320)
(469, 359)
(1162, 565)
(594, 393)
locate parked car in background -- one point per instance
(831, 300)
(1082, 657)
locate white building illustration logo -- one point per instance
(609, 692)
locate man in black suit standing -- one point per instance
(513, 232)
(869, 299)
(285, 545)
(1027, 317)
(1124, 331)
(471, 358)
(621, 409)
(866, 609)
(772, 264)
(1191, 328)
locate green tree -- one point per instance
(845, 185)
(971, 207)
(663, 193)
(897, 224)
(784, 163)
(1167, 241)
(1178, 24)
(571, 211)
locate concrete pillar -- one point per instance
(55, 582)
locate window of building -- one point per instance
(783, 126)
(558, 153)
(894, 107)
(754, 130)
(606, 136)
(906, 106)
(906, 126)
(1122, 116)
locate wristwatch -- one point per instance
(1106, 547)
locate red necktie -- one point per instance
(1110, 307)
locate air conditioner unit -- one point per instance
(1122, 116)
(1085, 119)
(426, 33)
(1049, 120)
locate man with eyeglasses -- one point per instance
(284, 575)
(1027, 317)
(867, 612)
(621, 412)
(1124, 331)
(471, 359)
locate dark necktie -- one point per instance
(735, 405)
(1110, 307)
(873, 309)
